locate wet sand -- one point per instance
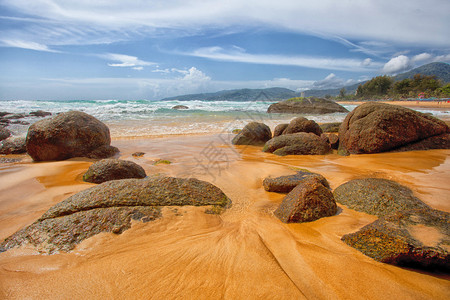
(245, 253)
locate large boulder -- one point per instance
(13, 145)
(70, 134)
(113, 169)
(4, 133)
(311, 105)
(110, 207)
(308, 201)
(377, 196)
(298, 144)
(414, 239)
(285, 184)
(379, 127)
(253, 133)
(301, 124)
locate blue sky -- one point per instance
(136, 49)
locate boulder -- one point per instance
(253, 133)
(279, 129)
(379, 127)
(435, 142)
(285, 184)
(70, 134)
(40, 113)
(110, 207)
(178, 107)
(113, 169)
(102, 152)
(308, 201)
(301, 124)
(333, 139)
(311, 105)
(377, 196)
(13, 145)
(330, 127)
(299, 144)
(4, 133)
(413, 239)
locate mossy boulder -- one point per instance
(113, 169)
(297, 144)
(308, 201)
(377, 196)
(310, 105)
(285, 184)
(413, 239)
(253, 133)
(110, 207)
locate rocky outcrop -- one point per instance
(379, 127)
(40, 113)
(301, 124)
(178, 107)
(377, 196)
(253, 133)
(299, 144)
(330, 127)
(71, 134)
(306, 106)
(414, 239)
(279, 129)
(113, 169)
(110, 207)
(13, 145)
(308, 201)
(285, 184)
(333, 139)
(4, 133)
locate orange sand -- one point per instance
(245, 253)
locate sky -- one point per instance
(137, 49)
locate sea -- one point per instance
(145, 118)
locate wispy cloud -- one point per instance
(239, 55)
(27, 45)
(123, 60)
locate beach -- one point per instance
(244, 253)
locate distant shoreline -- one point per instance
(414, 103)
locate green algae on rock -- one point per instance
(110, 207)
(416, 239)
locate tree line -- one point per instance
(385, 87)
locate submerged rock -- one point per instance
(67, 135)
(311, 105)
(4, 133)
(299, 144)
(110, 207)
(414, 239)
(40, 113)
(13, 145)
(308, 201)
(178, 107)
(253, 133)
(113, 169)
(301, 124)
(285, 184)
(379, 127)
(377, 196)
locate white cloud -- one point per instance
(126, 61)
(238, 55)
(27, 45)
(397, 64)
(422, 57)
(87, 21)
(331, 82)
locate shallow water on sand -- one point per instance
(245, 253)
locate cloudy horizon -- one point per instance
(64, 49)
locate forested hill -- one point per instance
(273, 94)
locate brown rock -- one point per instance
(13, 145)
(301, 124)
(297, 144)
(285, 184)
(333, 139)
(253, 133)
(279, 129)
(310, 105)
(307, 202)
(113, 169)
